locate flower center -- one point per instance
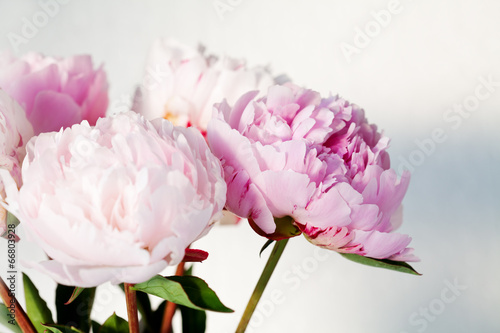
(178, 110)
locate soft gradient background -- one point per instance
(408, 76)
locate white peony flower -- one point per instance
(119, 201)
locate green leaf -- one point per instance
(193, 321)
(189, 291)
(269, 242)
(5, 317)
(158, 317)
(95, 326)
(189, 271)
(11, 219)
(399, 266)
(61, 329)
(37, 309)
(114, 324)
(144, 304)
(77, 291)
(77, 313)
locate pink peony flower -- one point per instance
(15, 131)
(117, 202)
(298, 163)
(55, 92)
(182, 84)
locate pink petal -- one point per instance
(331, 208)
(88, 276)
(53, 111)
(381, 245)
(284, 191)
(238, 109)
(26, 88)
(11, 72)
(245, 199)
(231, 148)
(96, 104)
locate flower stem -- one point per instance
(261, 284)
(168, 315)
(133, 317)
(21, 317)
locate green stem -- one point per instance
(261, 284)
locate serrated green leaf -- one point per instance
(37, 309)
(269, 242)
(77, 291)
(114, 324)
(398, 266)
(61, 329)
(5, 318)
(77, 313)
(189, 291)
(193, 321)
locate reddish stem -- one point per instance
(21, 317)
(133, 317)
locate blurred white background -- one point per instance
(411, 65)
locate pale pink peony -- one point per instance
(182, 84)
(117, 202)
(55, 92)
(15, 131)
(295, 162)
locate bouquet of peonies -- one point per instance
(120, 197)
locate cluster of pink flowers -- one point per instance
(119, 198)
